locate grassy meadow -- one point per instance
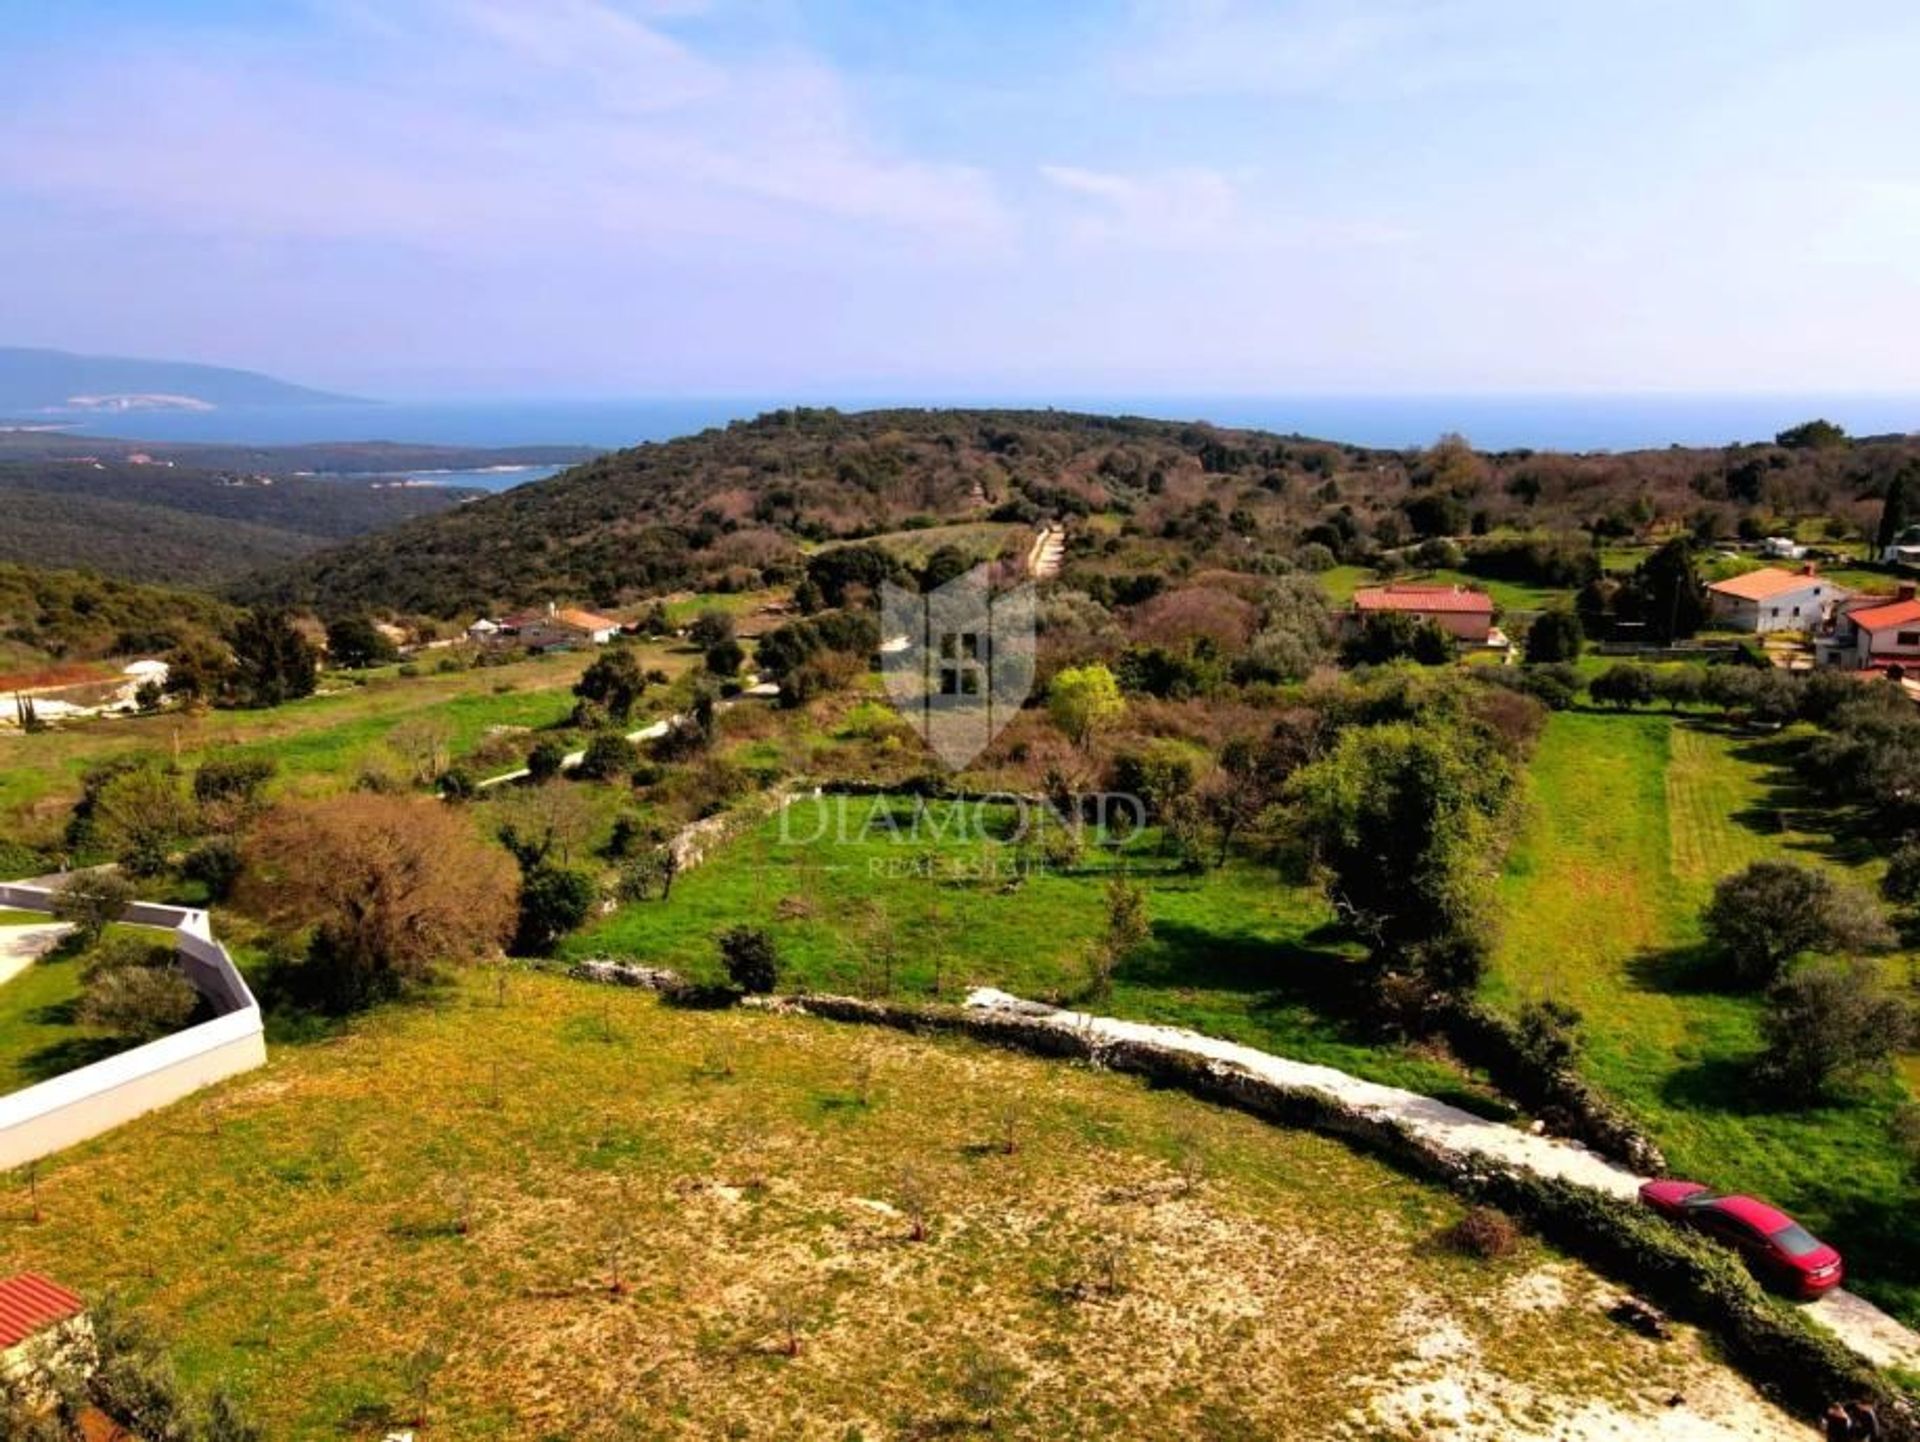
(1634, 819)
(318, 741)
(547, 1210)
(856, 903)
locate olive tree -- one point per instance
(1761, 918)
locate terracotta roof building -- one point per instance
(1886, 633)
(1771, 599)
(30, 1304)
(1463, 613)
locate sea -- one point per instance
(1538, 421)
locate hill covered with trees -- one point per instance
(186, 526)
(739, 506)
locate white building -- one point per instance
(1774, 600)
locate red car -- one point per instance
(1776, 1248)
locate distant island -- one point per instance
(36, 382)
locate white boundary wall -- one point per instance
(83, 1103)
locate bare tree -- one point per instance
(391, 886)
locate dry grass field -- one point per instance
(539, 1209)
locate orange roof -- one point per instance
(587, 620)
(1450, 600)
(29, 1303)
(1880, 618)
(1759, 585)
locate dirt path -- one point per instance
(1857, 1322)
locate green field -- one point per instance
(1635, 817)
(1234, 952)
(569, 1212)
(318, 741)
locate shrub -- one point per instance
(750, 958)
(91, 901)
(726, 657)
(1763, 917)
(215, 863)
(1554, 637)
(1622, 686)
(554, 900)
(1826, 1025)
(609, 755)
(614, 682)
(543, 762)
(140, 1002)
(1484, 1232)
(1902, 881)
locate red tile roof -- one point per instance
(1880, 618)
(1769, 581)
(29, 1303)
(1450, 600)
(588, 620)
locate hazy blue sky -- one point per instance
(611, 197)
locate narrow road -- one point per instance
(1857, 1322)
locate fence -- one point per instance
(89, 1100)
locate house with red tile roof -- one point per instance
(1771, 599)
(35, 1310)
(1880, 635)
(1463, 613)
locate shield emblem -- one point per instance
(957, 662)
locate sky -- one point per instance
(604, 198)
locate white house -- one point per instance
(483, 630)
(1905, 550)
(1782, 548)
(1774, 600)
(1883, 633)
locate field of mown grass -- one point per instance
(568, 1212)
(1634, 819)
(1235, 952)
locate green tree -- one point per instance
(726, 657)
(272, 662)
(751, 960)
(609, 756)
(1826, 1025)
(1623, 686)
(543, 762)
(1555, 637)
(1667, 594)
(1814, 435)
(1896, 511)
(1385, 636)
(1127, 929)
(355, 643)
(1084, 701)
(554, 900)
(1762, 917)
(140, 817)
(1400, 822)
(615, 682)
(91, 901)
(710, 628)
